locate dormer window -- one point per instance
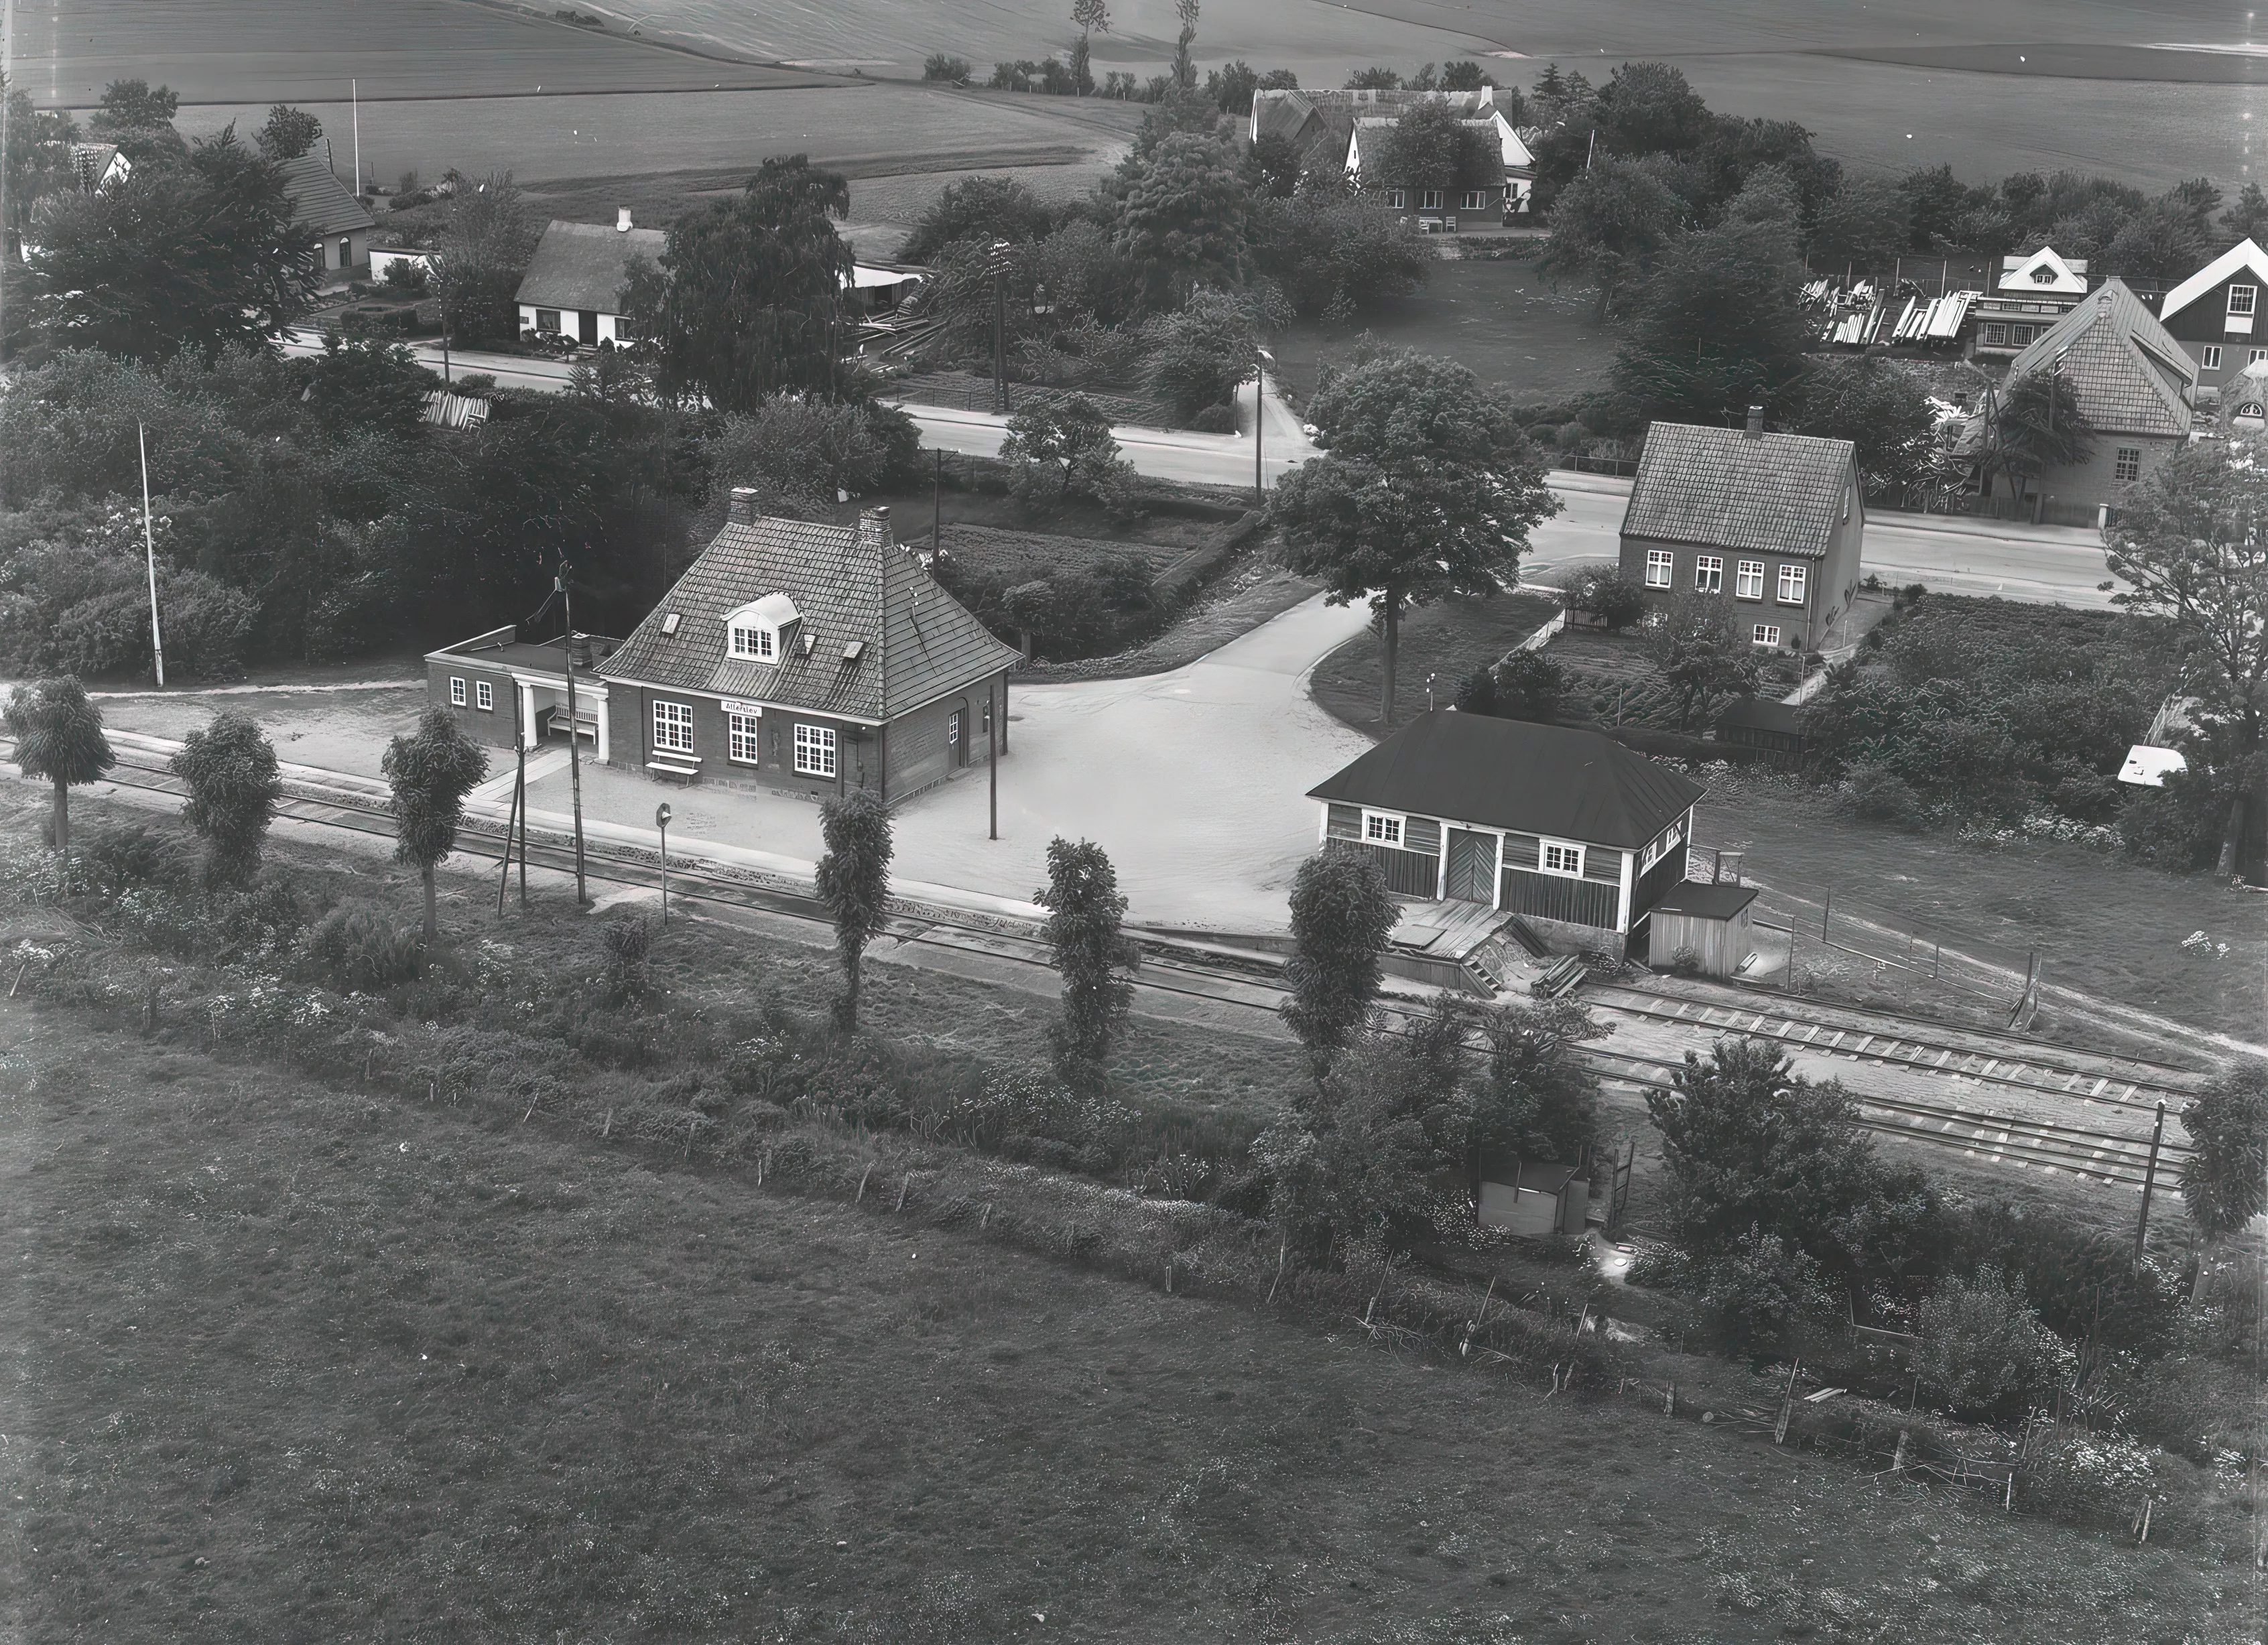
(2043, 276)
(757, 632)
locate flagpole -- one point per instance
(354, 91)
(149, 548)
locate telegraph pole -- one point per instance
(574, 735)
(2149, 1181)
(150, 547)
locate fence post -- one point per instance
(1826, 913)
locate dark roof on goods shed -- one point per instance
(848, 583)
(1727, 488)
(1510, 773)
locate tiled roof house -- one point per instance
(1773, 523)
(321, 205)
(1323, 124)
(2133, 383)
(574, 282)
(2215, 315)
(810, 656)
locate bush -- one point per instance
(112, 861)
(626, 940)
(1014, 1109)
(403, 276)
(1880, 795)
(951, 70)
(2089, 1477)
(1607, 594)
(1215, 420)
(357, 949)
(1764, 1295)
(1985, 1349)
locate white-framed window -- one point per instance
(1662, 847)
(1793, 580)
(1660, 566)
(1749, 584)
(1431, 199)
(815, 751)
(2211, 361)
(1765, 633)
(547, 319)
(456, 692)
(1381, 829)
(2126, 464)
(2244, 299)
(754, 644)
(742, 733)
(1475, 199)
(1396, 199)
(2258, 355)
(1994, 336)
(673, 727)
(2020, 335)
(1562, 857)
(1708, 574)
(484, 697)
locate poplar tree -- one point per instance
(854, 884)
(1084, 907)
(430, 771)
(58, 734)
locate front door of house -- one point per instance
(586, 326)
(956, 739)
(1472, 867)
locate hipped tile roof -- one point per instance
(1726, 489)
(849, 584)
(1510, 773)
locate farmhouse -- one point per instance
(1324, 126)
(808, 656)
(573, 286)
(2215, 315)
(2134, 384)
(1567, 828)
(321, 205)
(1773, 523)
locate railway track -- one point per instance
(2107, 1158)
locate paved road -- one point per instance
(2050, 564)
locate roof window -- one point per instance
(756, 632)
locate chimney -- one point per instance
(621, 219)
(741, 510)
(874, 528)
(1755, 423)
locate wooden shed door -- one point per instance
(1472, 867)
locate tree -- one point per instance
(140, 120)
(1069, 446)
(37, 159)
(1983, 1347)
(1466, 76)
(1607, 225)
(2165, 240)
(1649, 108)
(749, 300)
(2036, 426)
(986, 208)
(1698, 647)
(2188, 543)
(1527, 685)
(1429, 146)
(289, 134)
(194, 257)
(950, 69)
(58, 734)
(1092, 16)
(1084, 905)
(1181, 218)
(1184, 69)
(1878, 406)
(853, 882)
(1751, 1144)
(1334, 252)
(234, 787)
(1604, 591)
(1202, 353)
(483, 250)
(2246, 216)
(1868, 221)
(430, 771)
(2225, 1179)
(1721, 327)
(1230, 87)
(1342, 914)
(1536, 1099)
(365, 387)
(1425, 488)
(1277, 164)
(1376, 78)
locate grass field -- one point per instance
(1447, 642)
(1502, 319)
(292, 1363)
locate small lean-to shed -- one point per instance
(1708, 921)
(1760, 722)
(1533, 1199)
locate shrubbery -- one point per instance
(357, 949)
(1983, 1349)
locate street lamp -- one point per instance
(1259, 417)
(661, 816)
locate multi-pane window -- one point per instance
(456, 693)
(2258, 355)
(2242, 299)
(1791, 581)
(1475, 199)
(1708, 574)
(1750, 583)
(754, 644)
(815, 751)
(2211, 357)
(1659, 564)
(485, 695)
(1380, 829)
(1765, 633)
(1396, 199)
(1560, 857)
(547, 319)
(673, 727)
(1431, 200)
(742, 731)
(1995, 336)
(2126, 464)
